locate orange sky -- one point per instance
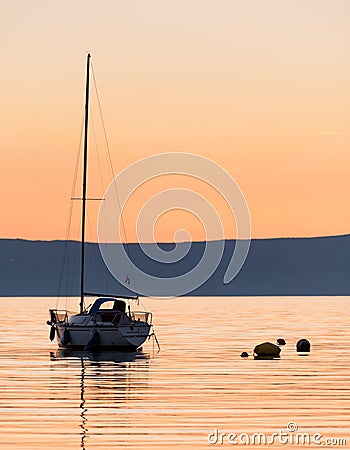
(260, 87)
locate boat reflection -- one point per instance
(118, 357)
(107, 380)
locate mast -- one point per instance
(83, 214)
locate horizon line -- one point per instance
(181, 242)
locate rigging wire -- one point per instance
(97, 152)
(94, 255)
(68, 228)
(127, 247)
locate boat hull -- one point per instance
(128, 337)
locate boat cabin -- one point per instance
(109, 309)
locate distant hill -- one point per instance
(296, 266)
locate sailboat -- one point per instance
(107, 324)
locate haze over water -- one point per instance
(197, 382)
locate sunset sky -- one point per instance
(261, 87)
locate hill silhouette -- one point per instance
(288, 266)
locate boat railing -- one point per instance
(141, 316)
(59, 315)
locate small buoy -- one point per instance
(52, 333)
(303, 345)
(281, 341)
(267, 349)
(244, 355)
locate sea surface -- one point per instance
(195, 393)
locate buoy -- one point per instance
(267, 349)
(244, 355)
(281, 341)
(303, 345)
(93, 343)
(52, 333)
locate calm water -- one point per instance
(197, 382)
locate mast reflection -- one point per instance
(107, 378)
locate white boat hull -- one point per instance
(121, 337)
